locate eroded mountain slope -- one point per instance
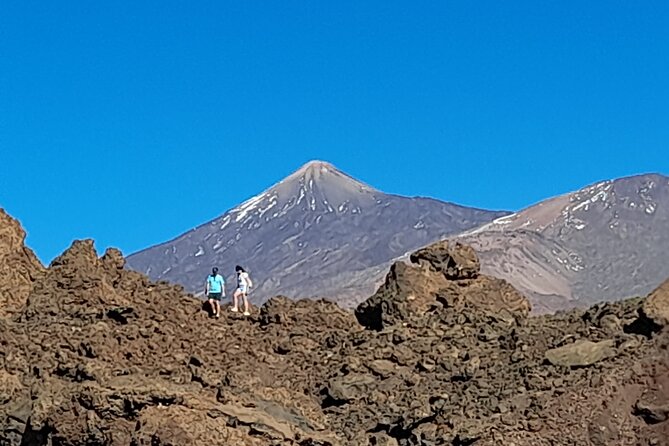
(604, 242)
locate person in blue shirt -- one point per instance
(214, 289)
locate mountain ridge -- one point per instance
(319, 223)
(546, 250)
(602, 242)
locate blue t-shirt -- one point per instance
(215, 283)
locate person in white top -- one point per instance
(243, 285)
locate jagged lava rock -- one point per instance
(101, 355)
(90, 294)
(656, 306)
(293, 313)
(444, 274)
(453, 259)
(19, 267)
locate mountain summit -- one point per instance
(318, 232)
(315, 187)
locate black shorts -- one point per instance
(214, 296)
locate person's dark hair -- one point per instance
(239, 269)
(214, 271)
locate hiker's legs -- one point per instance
(246, 303)
(217, 308)
(235, 297)
(212, 308)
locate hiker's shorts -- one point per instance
(215, 296)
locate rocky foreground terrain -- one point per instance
(94, 354)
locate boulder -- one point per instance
(581, 353)
(344, 389)
(486, 294)
(656, 306)
(652, 413)
(444, 275)
(454, 260)
(408, 290)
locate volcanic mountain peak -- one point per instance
(318, 223)
(322, 172)
(321, 183)
(314, 169)
(638, 195)
(316, 186)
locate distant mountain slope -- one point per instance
(318, 232)
(606, 241)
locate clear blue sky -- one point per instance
(130, 121)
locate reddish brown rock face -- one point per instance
(452, 259)
(100, 355)
(656, 306)
(19, 267)
(443, 275)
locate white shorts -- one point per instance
(242, 289)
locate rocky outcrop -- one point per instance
(452, 259)
(102, 355)
(656, 307)
(444, 275)
(19, 266)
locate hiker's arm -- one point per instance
(206, 288)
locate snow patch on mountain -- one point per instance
(248, 206)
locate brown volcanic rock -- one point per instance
(103, 356)
(407, 290)
(292, 314)
(487, 381)
(453, 259)
(78, 269)
(443, 274)
(656, 307)
(18, 266)
(580, 353)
